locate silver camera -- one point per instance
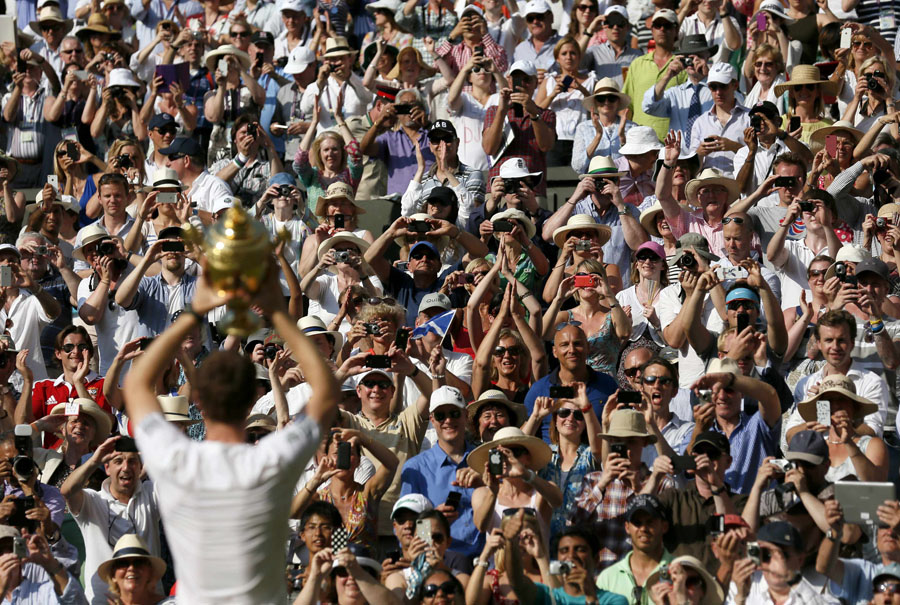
(343, 256)
(583, 245)
(782, 464)
(560, 568)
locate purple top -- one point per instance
(396, 151)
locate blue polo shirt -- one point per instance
(403, 287)
(430, 473)
(599, 387)
(156, 301)
(561, 597)
(750, 442)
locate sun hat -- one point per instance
(817, 138)
(640, 140)
(712, 176)
(299, 59)
(312, 325)
(624, 423)
(808, 446)
(602, 166)
(97, 24)
(517, 411)
(394, 74)
(369, 54)
(10, 248)
(607, 86)
(388, 5)
(261, 421)
(516, 215)
(842, 385)
(776, 8)
(337, 191)
(683, 155)
(694, 44)
(652, 247)
(8, 531)
(848, 253)
(714, 594)
(337, 47)
(339, 237)
(580, 222)
(695, 241)
(131, 546)
(90, 234)
(648, 219)
(176, 409)
(723, 365)
(806, 74)
(525, 66)
(122, 76)
(889, 209)
(166, 178)
(66, 203)
(510, 435)
(417, 503)
(89, 407)
(50, 13)
(210, 59)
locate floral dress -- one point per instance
(362, 519)
(603, 347)
(316, 184)
(569, 482)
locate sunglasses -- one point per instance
(604, 99)
(69, 347)
(342, 572)
(532, 18)
(518, 450)
(509, 512)
(711, 453)
(663, 25)
(244, 34)
(631, 372)
(861, 44)
(888, 587)
(377, 300)
(662, 380)
(816, 272)
(176, 156)
(737, 220)
(764, 64)
(610, 23)
(166, 131)
(442, 416)
(806, 86)
(430, 590)
(476, 70)
(563, 324)
(501, 351)
(382, 384)
(694, 582)
(440, 138)
(717, 86)
(566, 412)
(421, 254)
(649, 257)
(585, 7)
(737, 305)
(71, 51)
(51, 26)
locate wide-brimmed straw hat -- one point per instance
(806, 74)
(511, 435)
(67, 203)
(131, 546)
(90, 234)
(648, 219)
(100, 418)
(97, 24)
(580, 222)
(337, 238)
(518, 216)
(176, 409)
(311, 325)
(337, 191)
(337, 47)
(841, 385)
(601, 166)
(394, 74)
(606, 86)
(51, 13)
(517, 411)
(712, 176)
(211, 58)
(625, 423)
(713, 595)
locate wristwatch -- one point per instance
(832, 535)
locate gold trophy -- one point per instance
(238, 256)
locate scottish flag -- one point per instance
(438, 324)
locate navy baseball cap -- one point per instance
(161, 120)
(182, 145)
(781, 533)
(647, 503)
(442, 126)
(428, 245)
(261, 38)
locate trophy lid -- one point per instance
(237, 227)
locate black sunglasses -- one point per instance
(377, 300)
(649, 256)
(501, 351)
(166, 130)
(631, 372)
(509, 512)
(717, 86)
(737, 305)
(566, 412)
(69, 347)
(176, 156)
(534, 17)
(442, 416)
(243, 34)
(437, 138)
(662, 380)
(430, 590)
(518, 450)
(888, 587)
(603, 99)
(563, 324)
(382, 384)
(736, 219)
(419, 255)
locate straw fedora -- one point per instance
(337, 191)
(806, 74)
(842, 385)
(210, 58)
(520, 217)
(11, 165)
(606, 86)
(100, 418)
(714, 594)
(888, 210)
(442, 242)
(624, 423)
(511, 435)
(712, 176)
(648, 219)
(817, 138)
(517, 411)
(131, 546)
(337, 47)
(580, 222)
(311, 325)
(97, 24)
(337, 238)
(176, 409)
(90, 234)
(166, 178)
(260, 421)
(394, 74)
(51, 13)
(601, 166)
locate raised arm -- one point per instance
(73, 487)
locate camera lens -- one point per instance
(23, 466)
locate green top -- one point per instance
(618, 578)
(643, 74)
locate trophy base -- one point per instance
(240, 322)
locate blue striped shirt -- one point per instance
(751, 441)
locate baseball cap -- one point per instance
(182, 145)
(723, 73)
(436, 299)
(616, 9)
(282, 178)
(442, 126)
(717, 440)
(161, 120)
(417, 503)
(525, 66)
(734, 521)
(645, 503)
(808, 446)
(873, 265)
(742, 294)
(373, 371)
(10, 248)
(262, 37)
(446, 396)
(887, 571)
(472, 8)
(781, 533)
(299, 59)
(766, 108)
(292, 5)
(388, 93)
(667, 14)
(443, 195)
(536, 7)
(428, 245)
(171, 233)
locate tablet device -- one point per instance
(861, 499)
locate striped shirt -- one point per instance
(27, 140)
(869, 13)
(750, 441)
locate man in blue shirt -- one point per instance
(570, 348)
(434, 472)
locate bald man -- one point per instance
(570, 347)
(741, 243)
(631, 367)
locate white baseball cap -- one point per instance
(665, 13)
(516, 168)
(723, 73)
(446, 396)
(537, 7)
(525, 66)
(617, 9)
(417, 503)
(299, 59)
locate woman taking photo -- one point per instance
(171, 102)
(412, 72)
(563, 93)
(873, 94)
(468, 108)
(604, 134)
(764, 69)
(338, 213)
(598, 312)
(12, 205)
(328, 159)
(119, 115)
(236, 93)
(387, 315)
(152, 216)
(65, 109)
(649, 275)
(133, 574)
(580, 239)
(386, 29)
(355, 580)
(865, 43)
(528, 263)
(74, 179)
(800, 319)
(805, 90)
(654, 222)
(252, 145)
(573, 430)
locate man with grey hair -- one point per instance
(71, 51)
(392, 137)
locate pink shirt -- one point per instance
(693, 222)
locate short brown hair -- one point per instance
(226, 385)
(836, 318)
(791, 158)
(65, 332)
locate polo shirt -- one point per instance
(542, 59)
(430, 473)
(206, 189)
(792, 264)
(857, 584)
(356, 100)
(401, 433)
(103, 520)
(619, 579)
(403, 287)
(605, 63)
(561, 597)
(156, 301)
(643, 73)
(751, 441)
(48, 392)
(599, 388)
(81, 265)
(396, 151)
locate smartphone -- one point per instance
(73, 151)
(394, 555)
(846, 37)
(715, 525)
(585, 281)
(567, 82)
(167, 197)
(82, 74)
(479, 51)
(831, 145)
(403, 109)
(19, 548)
(495, 463)
(21, 65)
(343, 455)
(559, 392)
(684, 463)
(629, 397)
(423, 531)
(761, 22)
(709, 139)
(823, 412)
(785, 181)
(794, 124)
(502, 226)
(53, 181)
(382, 362)
(620, 449)
(339, 221)
(453, 499)
(144, 343)
(6, 278)
(223, 66)
(401, 339)
(126, 444)
(743, 322)
(173, 247)
(339, 539)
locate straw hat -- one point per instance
(516, 215)
(606, 86)
(641, 140)
(337, 191)
(714, 594)
(388, 5)
(337, 238)
(311, 325)
(166, 178)
(842, 385)
(624, 423)
(337, 47)
(712, 176)
(580, 222)
(90, 234)
(51, 13)
(260, 421)
(817, 138)
(517, 412)
(210, 59)
(131, 546)
(648, 219)
(888, 210)
(176, 410)
(394, 74)
(806, 74)
(98, 24)
(100, 418)
(510, 435)
(601, 166)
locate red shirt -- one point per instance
(46, 394)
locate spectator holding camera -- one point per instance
(254, 160)
(38, 576)
(355, 579)
(765, 141)
(873, 95)
(28, 503)
(188, 159)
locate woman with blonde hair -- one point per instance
(865, 43)
(338, 212)
(873, 94)
(580, 239)
(132, 573)
(764, 69)
(383, 312)
(649, 275)
(74, 179)
(806, 89)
